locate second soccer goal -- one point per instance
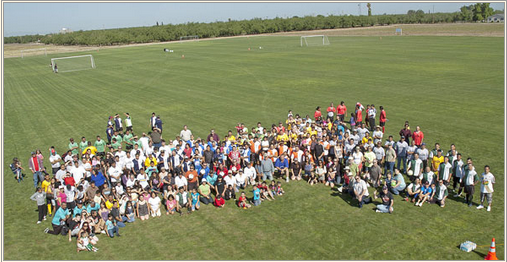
(73, 63)
(314, 40)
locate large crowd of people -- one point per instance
(98, 188)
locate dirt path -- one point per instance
(456, 29)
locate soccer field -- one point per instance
(453, 87)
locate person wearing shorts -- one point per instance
(487, 181)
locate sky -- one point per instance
(44, 18)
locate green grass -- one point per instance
(451, 86)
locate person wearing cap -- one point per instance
(424, 195)
(36, 166)
(387, 201)
(55, 160)
(401, 153)
(360, 191)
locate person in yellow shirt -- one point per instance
(366, 137)
(150, 159)
(282, 137)
(46, 187)
(436, 161)
(93, 150)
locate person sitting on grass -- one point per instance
(320, 172)
(279, 189)
(183, 201)
(171, 205)
(272, 187)
(242, 201)
(219, 201)
(425, 194)
(230, 193)
(400, 182)
(143, 210)
(265, 192)
(331, 177)
(413, 190)
(84, 243)
(111, 226)
(256, 195)
(387, 201)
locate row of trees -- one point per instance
(230, 28)
(476, 12)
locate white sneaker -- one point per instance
(340, 189)
(480, 207)
(457, 195)
(44, 217)
(103, 232)
(38, 222)
(46, 230)
(378, 211)
(488, 209)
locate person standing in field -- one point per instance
(405, 132)
(341, 110)
(487, 181)
(331, 111)
(317, 115)
(359, 115)
(128, 122)
(418, 136)
(372, 113)
(470, 180)
(158, 123)
(36, 166)
(185, 134)
(118, 123)
(383, 119)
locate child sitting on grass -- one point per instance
(242, 201)
(265, 192)
(219, 201)
(279, 189)
(83, 243)
(272, 187)
(229, 193)
(256, 195)
(195, 200)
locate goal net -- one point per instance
(33, 52)
(73, 63)
(314, 40)
(189, 37)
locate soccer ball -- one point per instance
(260, 47)
(410, 172)
(191, 176)
(393, 183)
(203, 171)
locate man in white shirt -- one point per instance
(185, 134)
(77, 172)
(145, 141)
(251, 173)
(360, 191)
(114, 173)
(230, 179)
(241, 180)
(487, 181)
(181, 181)
(60, 174)
(55, 160)
(361, 131)
(143, 178)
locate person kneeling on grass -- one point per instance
(242, 201)
(413, 190)
(219, 201)
(425, 194)
(111, 226)
(387, 201)
(440, 193)
(360, 191)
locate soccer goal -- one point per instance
(33, 52)
(73, 63)
(189, 37)
(314, 40)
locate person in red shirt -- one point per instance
(331, 111)
(318, 114)
(383, 118)
(265, 192)
(219, 201)
(341, 110)
(69, 180)
(418, 136)
(242, 201)
(359, 116)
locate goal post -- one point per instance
(314, 40)
(33, 52)
(189, 37)
(73, 63)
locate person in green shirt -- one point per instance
(127, 138)
(83, 144)
(118, 137)
(115, 144)
(101, 146)
(137, 142)
(73, 146)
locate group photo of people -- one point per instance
(98, 187)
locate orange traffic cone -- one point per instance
(492, 252)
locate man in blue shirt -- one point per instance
(282, 166)
(425, 194)
(78, 209)
(62, 214)
(98, 178)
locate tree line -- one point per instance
(160, 33)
